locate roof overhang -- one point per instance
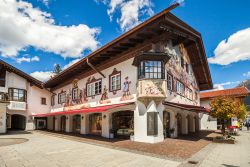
(187, 107)
(10, 68)
(164, 24)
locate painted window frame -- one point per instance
(179, 83)
(189, 93)
(116, 88)
(60, 99)
(11, 94)
(93, 85)
(77, 96)
(172, 82)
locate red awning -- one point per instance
(85, 110)
(187, 107)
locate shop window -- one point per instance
(170, 82)
(75, 94)
(115, 81)
(94, 88)
(53, 100)
(152, 123)
(151, 69)
(2, 78)
(179, 88)
(17, 94)
(61, 97)
(43, 101)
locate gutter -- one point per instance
(95, 69)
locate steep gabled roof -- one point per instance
(234, 92)
(13, 69)
(163, 22)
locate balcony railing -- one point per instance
(151, 89)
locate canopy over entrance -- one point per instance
(84, 110)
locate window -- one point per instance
(43, 101)
(182, 62)
(94, 88)
(189, 93)
(187, 68)
(170, 82)
(75, 94)
(17, 94)
(152, 123)
(115, 82)
(61, 97)
(2, 78)
(53, 100)
(151, 69)
(179, 88)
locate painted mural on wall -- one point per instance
(104, 97)
(177, 69)
(126, 91)
(79, 101)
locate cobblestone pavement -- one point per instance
(43, 150)
(230, 155)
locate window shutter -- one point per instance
(152, 123)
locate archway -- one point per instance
(166, 124)
(189, 123)
(197, 126)
(18, 122)
(123, 123)
(76, 123)
(63, 123)
(95, 124)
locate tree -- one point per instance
(245, 83)
(57, 69)
(225, 108)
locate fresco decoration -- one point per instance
(104, 97)
(80, 101)
(126, 91)
(174, 66)
(115, 72)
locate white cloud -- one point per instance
(27, 59)
(220, 86)
(42, 75)
(235, 48)
(45, 2)
(71, 63)
(247, 74)
(129, 10)
(23, 26)
(46, 75)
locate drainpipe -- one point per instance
(95, 69)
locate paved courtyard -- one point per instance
(44, 150)
(230, 155)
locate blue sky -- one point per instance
(36, 44)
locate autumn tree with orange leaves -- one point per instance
(225, 108)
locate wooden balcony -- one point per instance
(151, 90)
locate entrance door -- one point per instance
(18, 122)
(95, 124)
(63, 123)
(166, 124)
(76, 123)
(123, 123)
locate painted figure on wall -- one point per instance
(126, 92)
(104, 98)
